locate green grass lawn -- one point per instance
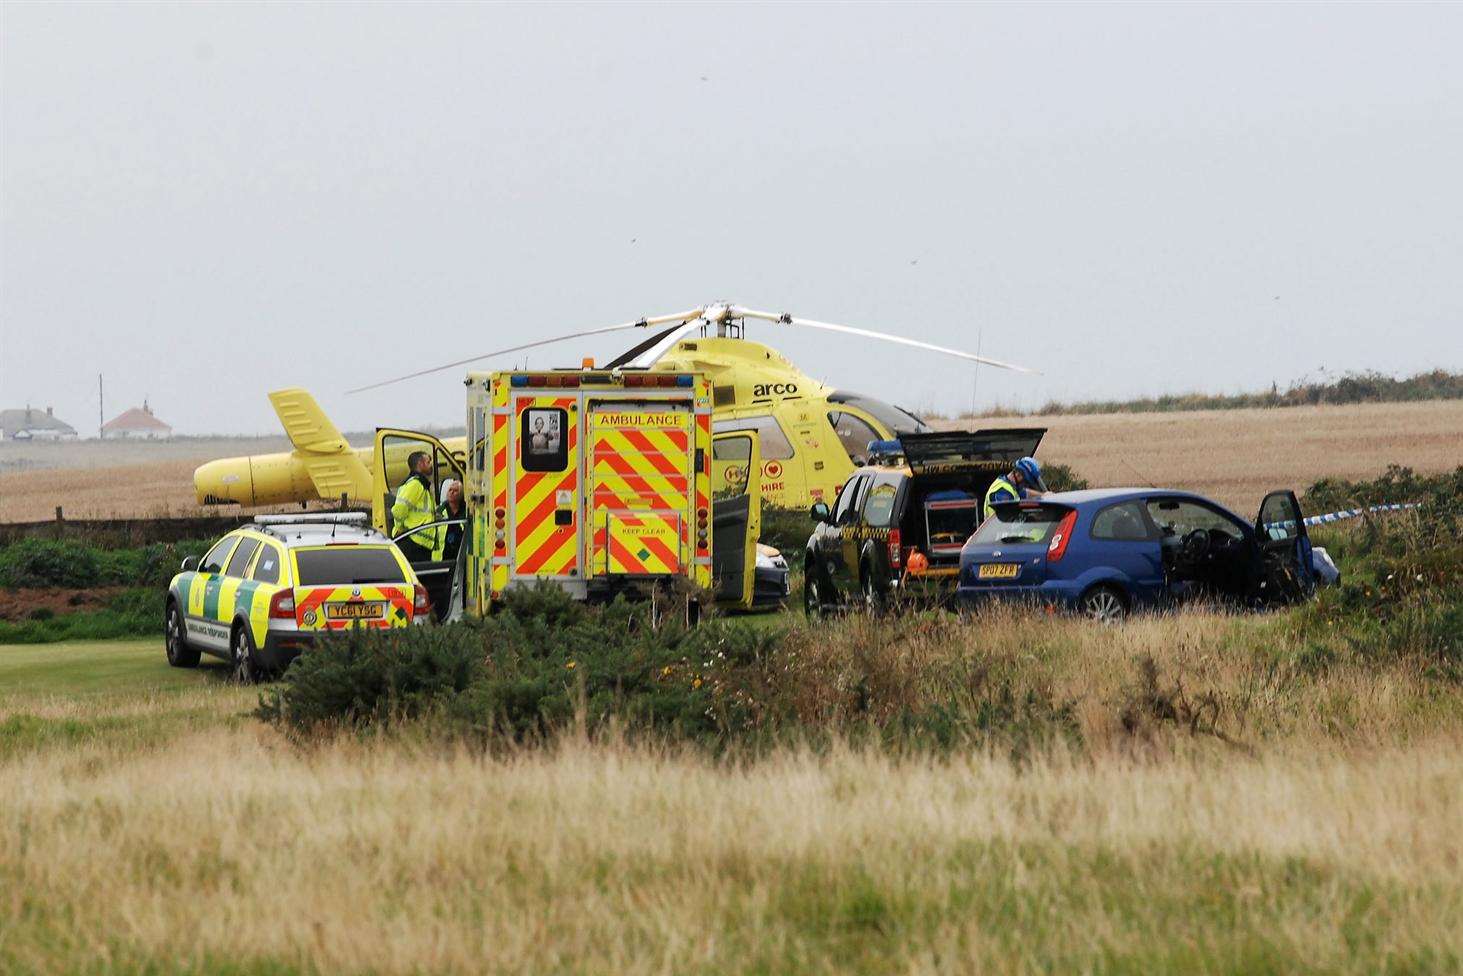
(86, 668)
(113, 698)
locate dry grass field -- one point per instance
(150, 825)
(1234, 456)
(110, 479)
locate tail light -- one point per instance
(420, 603)
(282, 605)
(896, 554)
(1057, 548)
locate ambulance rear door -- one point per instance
(544, 522)
(641, 469)
(736, 516)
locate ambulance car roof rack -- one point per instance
(319, 518)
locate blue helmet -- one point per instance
(1030, 472)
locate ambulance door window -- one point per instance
(854, 434)
(543, 442)
(239, 561)
(266, 570)
(214, 561)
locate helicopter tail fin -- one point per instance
(333, 465)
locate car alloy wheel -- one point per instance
(173, 635)
(175, 639)
(245, 672)
(1104, 605)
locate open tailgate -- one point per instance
(994, 449)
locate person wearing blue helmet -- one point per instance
(1024, 481)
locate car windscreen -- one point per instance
(341, 565)
(1014, 523)
(897, 419)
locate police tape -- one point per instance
(1352, 513)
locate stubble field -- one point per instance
(1235, 456)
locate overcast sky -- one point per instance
(206, 202)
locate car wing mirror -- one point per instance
(819, 512)
(189, 564)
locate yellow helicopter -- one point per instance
(812, 435)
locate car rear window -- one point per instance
(1014, 523)
(348, 564)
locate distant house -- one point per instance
(138, 423)
(34, 425)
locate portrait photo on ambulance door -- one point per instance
(542, 446)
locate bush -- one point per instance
(1364, 387)
(132, 613)
(48, 562)
(547, 664)
(67, 563)
(1402, 593)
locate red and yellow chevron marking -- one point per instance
(500, 462)
(703, 477)
(640, 462)
(540, 546)
(640, 545)
(319, 607)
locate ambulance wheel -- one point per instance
(175, 640)
(246, 668)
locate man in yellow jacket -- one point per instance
(1024, 481)
(415, 506)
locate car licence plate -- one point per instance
(355, 611)
(999, 570)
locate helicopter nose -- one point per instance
(224, 482)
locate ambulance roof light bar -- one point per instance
(572, 379)
(321, 518)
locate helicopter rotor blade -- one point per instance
(639, 324)
(785, 319)
(640, 348)
(650, 354)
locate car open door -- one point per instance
(736, 516)
(994, 449)
(1285, 549)
(389, 471)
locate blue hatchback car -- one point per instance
(1109, 551)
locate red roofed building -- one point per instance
(137, 423)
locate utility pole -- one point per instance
(101, 414)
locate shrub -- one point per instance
(48, 562)
(132, 613)
(38, 562)
(546, 664)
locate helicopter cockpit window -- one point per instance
(773, 441)
(542, 444)
(854, 434)
(897, 419)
